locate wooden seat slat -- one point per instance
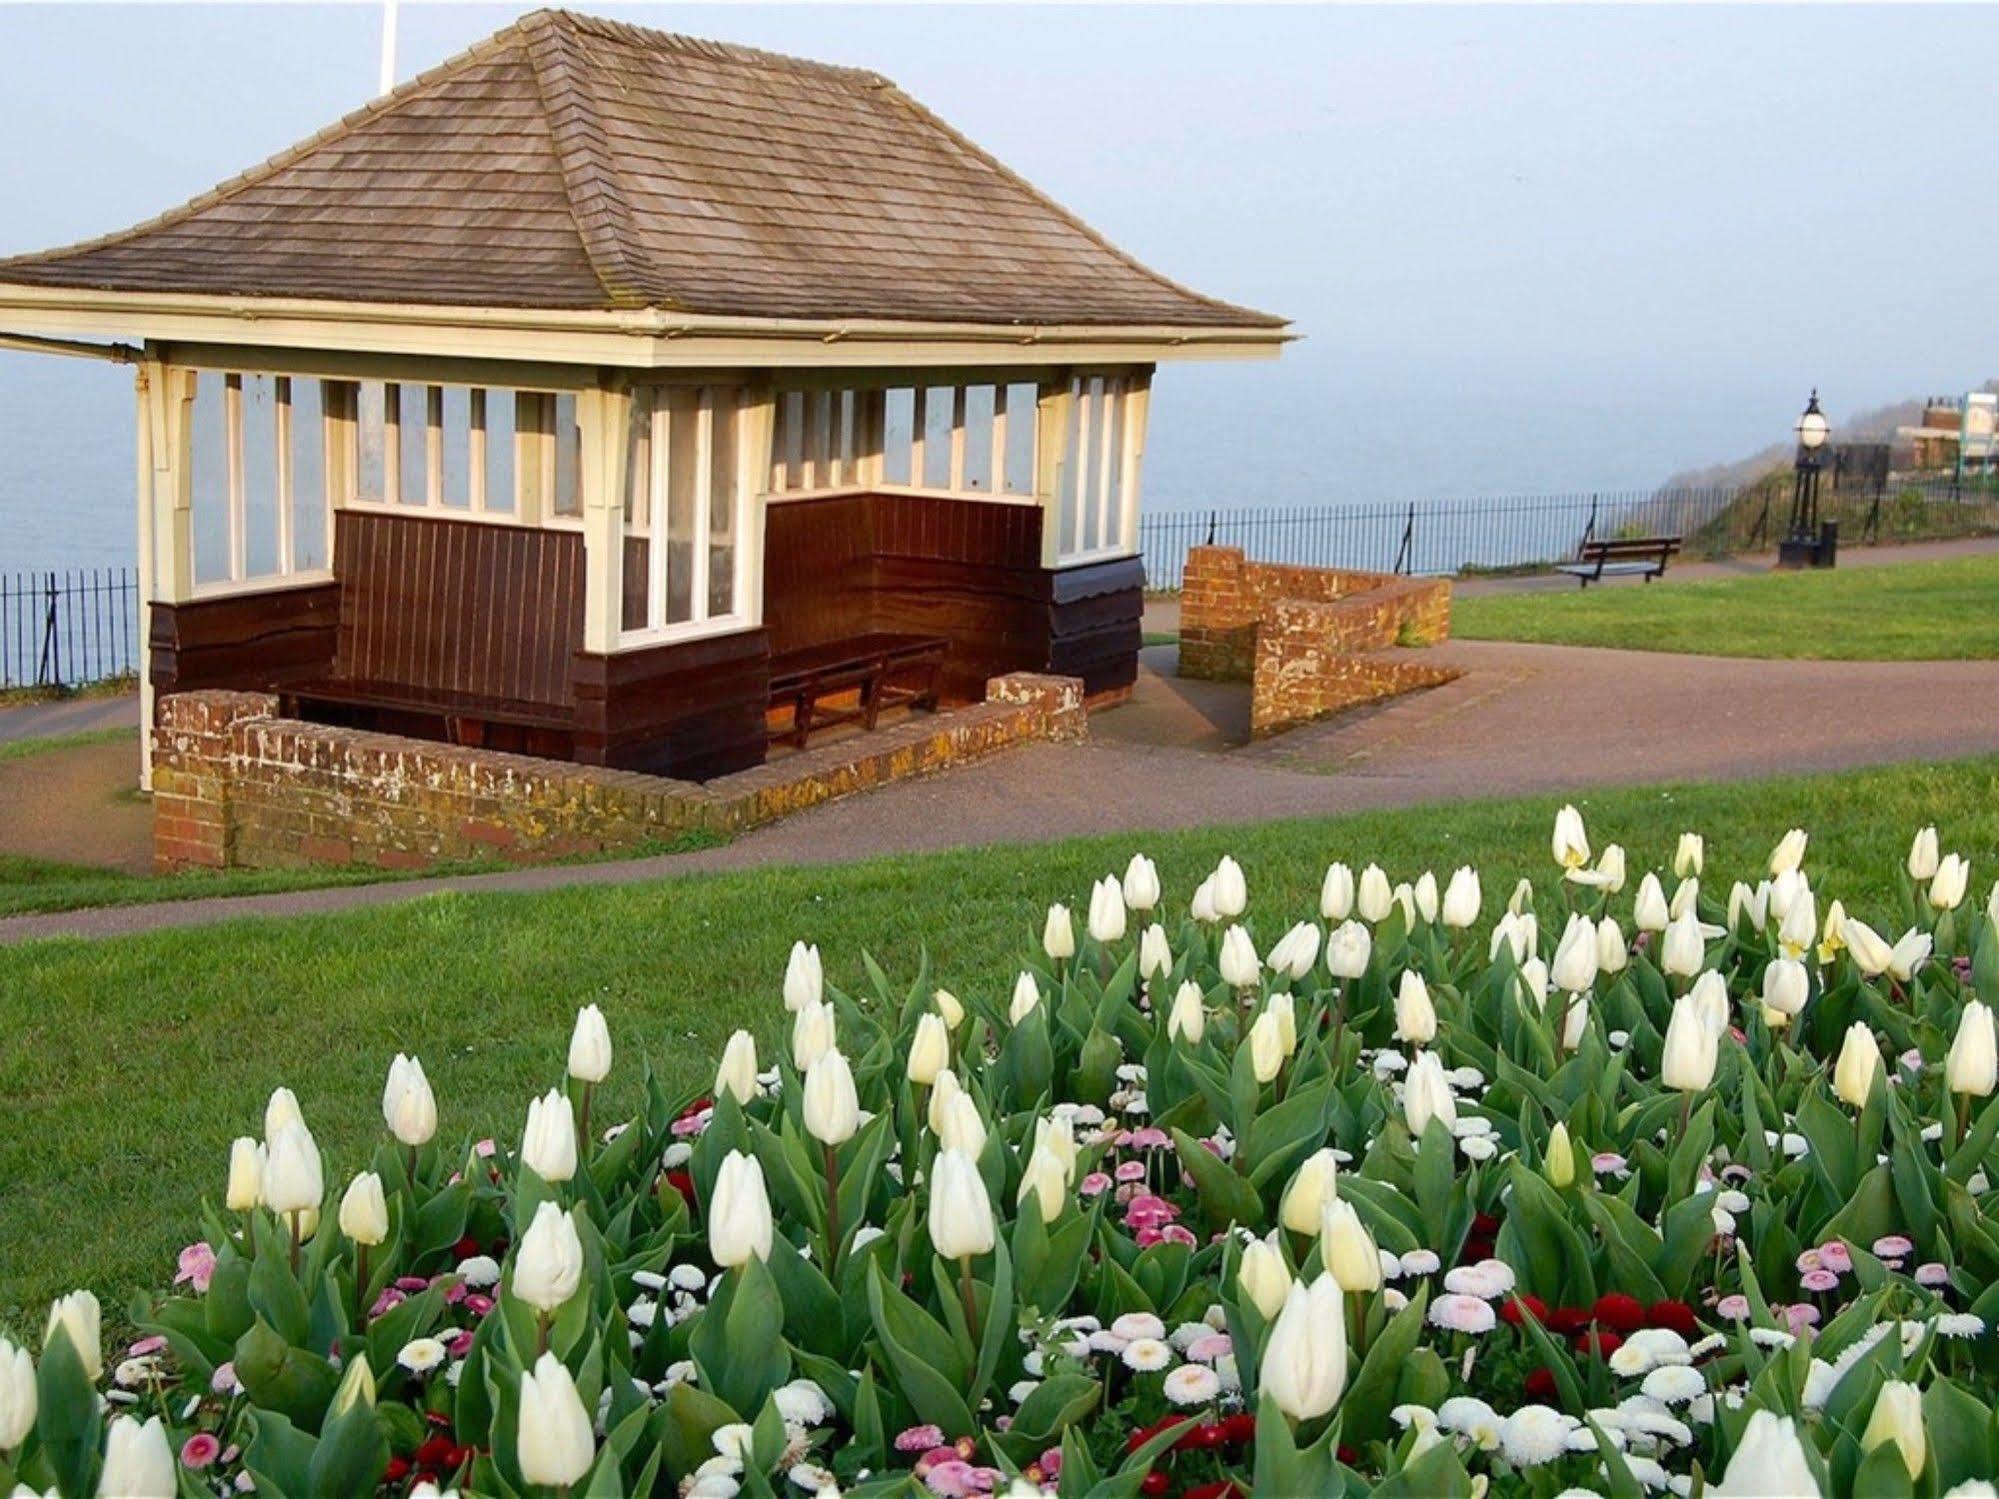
(1621, 556)
(870, 662)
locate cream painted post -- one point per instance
(758, 418)
(166, 536)
(603, 415)
(143, 376)
(1137, 406)
(1051, 460)
(340, 409)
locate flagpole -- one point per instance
(388, 80)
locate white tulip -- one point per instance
(1426, 1095)
(739, 1221)
(1789, 852)
(1992, 904)
(1427, 900)
(1348, 949)
(1608, 874)
(1533, 982)
(292, 1172)
(409, 1108)
(1058, 933)
(1351, 1255)
(1689, 855)
(1313, 1185)
(554, 1443)
(1769, 1461)
(279, 1112)
(1650, 913)
(1240, 966)
(1949, 884)
(590, 1046)
(1858, 1065)
(1832, 937)
(1683, 952)
(1107, 915)
(1909, 953)
(1972, 1065)
(1786, 986)
(948, 1006)
(1058, 1136)
(19, 1397)
(1570, 844)
(1415, 1016)
(1046, 1182)
(138, 1463)
(1612, 956)
(961, 1214)
(1575, 1020)
(941, 1092)
(1686, 897)
(1155, 958)
(929, 1051)
(1405, 897)
(960, 1125)
(1800, 925)
(1522, 898)
(1202, 906)
(548, 1144)
(1785, 890)
(737, 1074)
(832, 1108)
(1302, 950)
(1266, 1047)
(1870, 952)
(364, 1211)
(1750, 905)
(1692, 1049)
(246, 1175)
(1231, 890)
(1373, 899)
(78, 1315)
(1026, 995)
(1263, 1277)
(1141, 883)
(1285, 1008)
(1898, 1418)
(1560, 1161)
(1923, 855)
(1512, 930)
(1304, 1367)
(814, 1032)
(1336, 893)
(1709, 997)
(1461, 898)
(1574, 967)
(548, 1264)
(804, 978)
(1188, 1020)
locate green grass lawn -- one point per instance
(131, 1064)
(1915, 611)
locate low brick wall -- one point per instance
(1308, 639)
(234, 785)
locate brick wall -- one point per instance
(237, 786)
(1314, 659)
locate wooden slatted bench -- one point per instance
(1644, 555)
(886, 670)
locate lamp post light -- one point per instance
(1807, 542)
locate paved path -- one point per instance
(76, 715)
(1527, 719)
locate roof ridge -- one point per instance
(652, 36)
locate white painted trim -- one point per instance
(701, 629)
(975, 496)
(1100, 554)
(274, 583)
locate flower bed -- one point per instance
(1602, 1190)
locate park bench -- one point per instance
(883, 670)
(1644, 555)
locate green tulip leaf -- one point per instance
(66, 1419)
(352, 1455)
(295, 1382)
(922, 1355)
(1226, 1198)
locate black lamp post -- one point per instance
(1808, 543)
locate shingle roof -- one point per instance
(575, 163)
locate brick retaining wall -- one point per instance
(234, 785)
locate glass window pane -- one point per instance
(308, 476)
(371, 467)
(413, 445)
(209, 482)
(500, 452)
(900, 406)
(568, 458)
(457, 438)
(723, 469)
(1022, 403)
(979, 437)
(638, 512)
(260, 476)
(682, 470)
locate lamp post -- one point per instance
(1807, 543)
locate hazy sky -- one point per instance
(1531, 249)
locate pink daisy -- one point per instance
(196, 1267)
(199, 1450)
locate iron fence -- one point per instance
(1438, 537)
(68, 627)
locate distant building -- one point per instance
(1957, 435)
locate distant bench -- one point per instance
(1643, 555)
(886, 670)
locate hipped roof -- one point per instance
(574, 163)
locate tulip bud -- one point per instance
(78, 1316)
(1785, 890)
(1188, 1020)
(961, 1215)
(1336, 893)
(1859, 1062)
(1649, 913)
(1992, 905)
(1868, 949)
(356, 1387)
(804, 978)
(364, 1212)
(1285, 1008)
(948, 1006)
(19, 1397)
(1949, 884)
(1686, 897)
(1241, 968)
(246, 1175)
(1692, 1048)
(1155, 958)
(1559, 1163)
(1046, 1182)
(1349, 1250)
(832, 1109)
(1689, 855)
(1231, 890)
(1026, 995)
(1313, 1185)
(1202, 906)
(1608, 874)
(1296, 951)
(1923, 854)
(1415, 1016)
(1709, 998)
(548, 1144)
(929, 1051)
(1373, 899)
(409, 1108)
(813, 1031)
(1107, 917)
(941, 1092)
(1972, 1065)
(1799, 926)
(1522, 898)
(1515, 932)
(1786, 986)
(138, 1463)
(739, 1222)
(1058, 1136)
(960, 1126)
(1908, 954)
(279, 1112)
(1141, 883)
(1612, 957)
(1058, 933)
(1348, 949)
(1570, 844)
(1427, 900)
(1533, 980)
(1684, 950)
(1266, 1047)
(548, 1263)
(1405, 897)
(737, 1074)
(1426, 1095)
(1304, 1366)
(590, 1046)
(1768, 1460)
(555, 1444)
(1461, 899)
(1263, 1277)
(292, 1179)
(1898, 1418)
(1574, 968)
(1575, 1020)
(1789, 852)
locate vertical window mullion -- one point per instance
(956, 480)
(704, 489)
(475, 451)
(281, 414)
(1108, 398)
(232, 442)
(999, 439)
(433, 447)
(1079, 465)
(919, 421)
(392, 444)
(657, 538)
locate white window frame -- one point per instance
(236, 499)
(533, 446)
(1105, 402)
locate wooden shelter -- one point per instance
(569, 396)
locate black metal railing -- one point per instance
(1529, 532)
(68, 627)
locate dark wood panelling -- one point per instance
(692, 711)
(1094, 623)
(249, 641)
(817, 560)
(460, 606)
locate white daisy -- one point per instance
(1147, 1355)
(1192, 1384)
(421, 1355)
(1533, 1435)
(1674, 1384)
